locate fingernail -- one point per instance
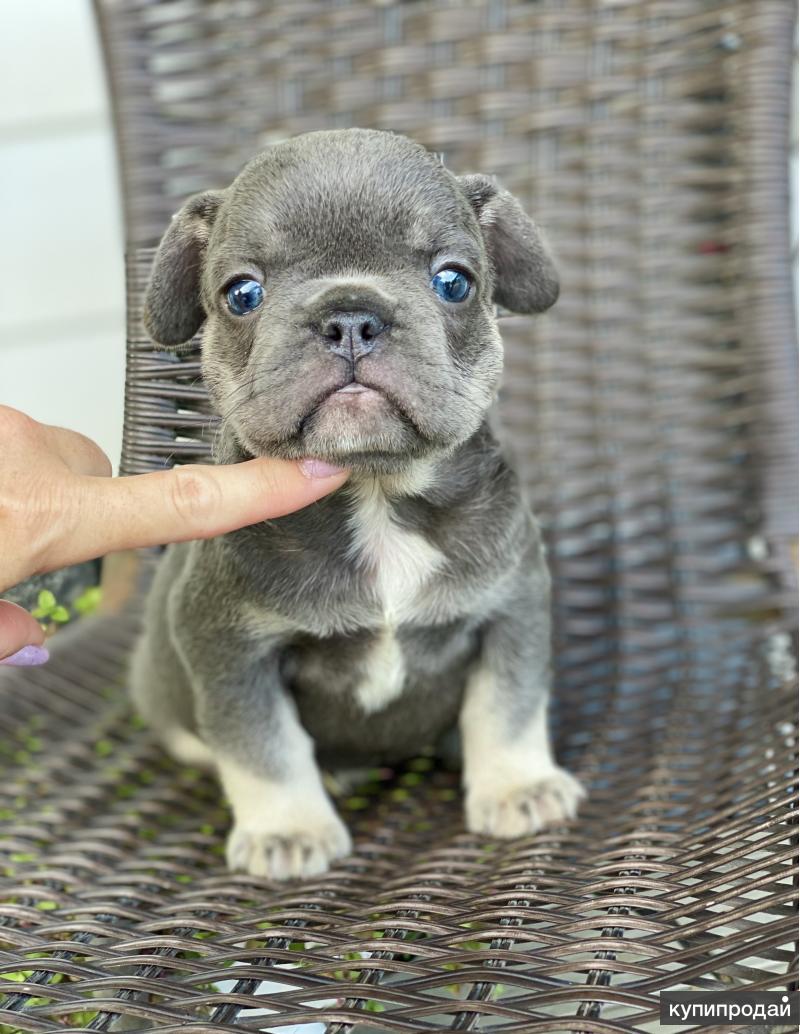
(27, 657)
(319, 468)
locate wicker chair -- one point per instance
(652, 411)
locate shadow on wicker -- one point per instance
(652, 412)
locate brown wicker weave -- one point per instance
(653, 413)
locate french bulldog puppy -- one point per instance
(347, 283)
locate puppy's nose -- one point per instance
(352, 334)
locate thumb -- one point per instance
(194, 502)
(17, 629)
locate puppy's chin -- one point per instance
(360, 427)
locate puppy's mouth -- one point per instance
(357, 395)
(356, 388)
(358, 423)
(359, 416)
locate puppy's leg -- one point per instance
(159, 682)
(285, 825)
(513, 785)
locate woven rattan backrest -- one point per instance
(651, 409)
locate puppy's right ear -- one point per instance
(173, 311)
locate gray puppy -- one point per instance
(347, 283)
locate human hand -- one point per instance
(59, 506)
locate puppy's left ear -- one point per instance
(525, 278)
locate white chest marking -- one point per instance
(400, 563)
(383, 672)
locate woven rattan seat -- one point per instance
(653, 414)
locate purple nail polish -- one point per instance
(27, 657)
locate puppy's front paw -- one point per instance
(287, 854)
(517, 809)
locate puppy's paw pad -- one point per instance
(287, 855)
(521, 809)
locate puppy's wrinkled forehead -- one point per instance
(332, 199)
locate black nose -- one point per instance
(352, 334)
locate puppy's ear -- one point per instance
(525, 278)
(173, 311)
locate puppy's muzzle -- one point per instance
(352, 335)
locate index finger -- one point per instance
(190, 502)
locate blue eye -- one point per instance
(244, 296)
(451, 285)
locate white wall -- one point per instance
(62, 296)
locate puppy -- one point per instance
(347, 284)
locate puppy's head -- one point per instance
(346, 280)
